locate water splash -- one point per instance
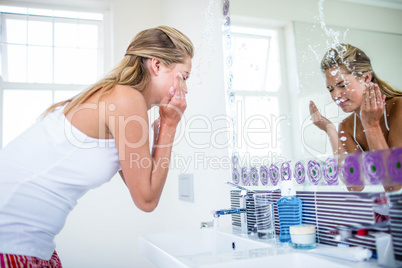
(334, 72)
(317, 57)
(332, 36)
(202, 62)
(333, 39)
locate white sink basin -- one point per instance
(211, 248)
(200, 247)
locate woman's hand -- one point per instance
(156, 125)
(320, 121)
(174, 104)
(372, 108)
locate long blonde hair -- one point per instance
(164, 43)
(357, 63)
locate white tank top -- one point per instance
(43, 172)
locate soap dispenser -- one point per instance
(289, 210)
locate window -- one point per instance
(256, 79)
(47, 55)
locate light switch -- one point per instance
(186, 187)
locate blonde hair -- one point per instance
(357, 63)
(164, 43)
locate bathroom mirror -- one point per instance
(304, 39)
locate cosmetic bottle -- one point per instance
(289, 211)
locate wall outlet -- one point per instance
(186, 187)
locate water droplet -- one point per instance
(343, 138)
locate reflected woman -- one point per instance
(375, 122)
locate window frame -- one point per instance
(104, 50)
(241, 29)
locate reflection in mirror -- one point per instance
(300, 144)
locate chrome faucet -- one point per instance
(245, 194)
(242, 211)
(243, 190)
(221, 212)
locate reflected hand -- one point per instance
(156, 126)
(372, 107)
(320, 121)
(174, 104)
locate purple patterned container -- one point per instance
(373, 167)
(286, 172)
(245, 176)
(351, 170)
(314, 171)
(232, 98)
(395, 165)
(229, 61)
(299, 173)
(226, 5)
(227, 22)
(235, 159)
(235, 176)
(264, 175)
(254, 176)
(331, 171)
(274, 174)
(228, 42)
(230, 83)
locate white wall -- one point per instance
(103, 230)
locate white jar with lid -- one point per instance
(303, 236)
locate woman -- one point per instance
(82, 142)
(375, 122)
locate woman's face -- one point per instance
(167, 76)
(345, 89)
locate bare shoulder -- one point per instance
(394, 110)
(394, 104)
(124, 99)
(347, 124)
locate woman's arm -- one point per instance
(342, 142)
(143, 173)
(371, 111)
(156, 127)
(328, 127)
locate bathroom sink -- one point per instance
(197, 248)
(211, 248)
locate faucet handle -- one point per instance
(239, 187)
